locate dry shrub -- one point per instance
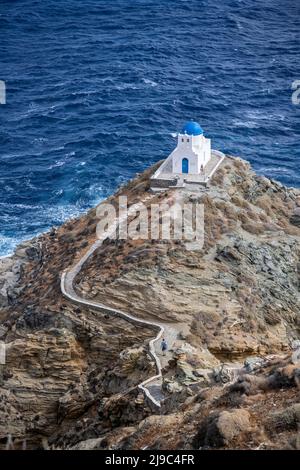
(269, 227)
(223, 428)
(231, 224)
(264, 202)
(290, 205)
(290, 230)
(252, 215)
(214, 222)
(283, 223)
(285, 377)
(218, 177)
(69, 237)
(255, 229)
(239, 164)
(240, 202)
(220, 205)
(279, 208)
(225, 228)
(249, 384)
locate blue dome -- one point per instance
(192, 128)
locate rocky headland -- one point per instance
(231, 378)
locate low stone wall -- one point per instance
(162, 183)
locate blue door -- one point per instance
(185, 165)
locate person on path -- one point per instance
(164, 346)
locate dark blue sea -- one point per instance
(97, 89)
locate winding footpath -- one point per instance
(152, 387)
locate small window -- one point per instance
(182, 140)
(188, 140)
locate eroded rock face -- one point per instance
(56, 372)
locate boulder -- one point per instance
(253, 363)
(223, 374)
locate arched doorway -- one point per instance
(185, 165)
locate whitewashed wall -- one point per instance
(197, 149)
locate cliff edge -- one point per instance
(231, 378)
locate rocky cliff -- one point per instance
(231, 379)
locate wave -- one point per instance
(147, 81)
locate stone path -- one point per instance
(152, 387)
